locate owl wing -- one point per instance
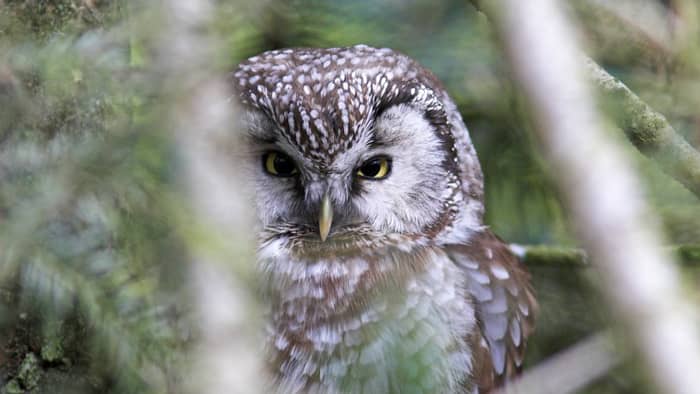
(505, 307)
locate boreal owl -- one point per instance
(378, 271)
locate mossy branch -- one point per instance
(649, 130)
(546, 255)
(553, 256)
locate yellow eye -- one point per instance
(375, 168)
(278, 164)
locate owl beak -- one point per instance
(325, 217)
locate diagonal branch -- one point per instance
(645, 25)
(649, 131)
(593, 357)
(602, 192)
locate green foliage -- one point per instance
(43, 19)
(88, 241)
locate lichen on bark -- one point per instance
(649, 130)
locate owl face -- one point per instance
(340, 138)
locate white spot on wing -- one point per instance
(495, 325)
(499, 271)
(498, 355)
(515, 333)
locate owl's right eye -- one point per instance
(279, 164)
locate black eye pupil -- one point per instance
(278, 164)
(283, 165)
(372, 167)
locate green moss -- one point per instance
(29, 372)
(13, 387)
(644, 124)
(553, 256)
(43, 19)
(547, 255)
(52, 349)
(688, 253)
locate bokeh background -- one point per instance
(94, 227)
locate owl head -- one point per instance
(356, 137)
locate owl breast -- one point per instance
(366, 314)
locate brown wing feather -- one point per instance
(505, 307)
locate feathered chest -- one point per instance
(365, 315)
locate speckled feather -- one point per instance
(410, 293)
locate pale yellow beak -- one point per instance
(325, 217)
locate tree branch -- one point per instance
(549, 255)
(639, 23)
(602, 192)
(228, 360)
(649, 131)
(593, 357)
(552, 256)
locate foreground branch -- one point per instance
(602, 192)
(649, 131)
(228, 361)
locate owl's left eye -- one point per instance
(279, 164)
(375, 168)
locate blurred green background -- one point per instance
(93, 228)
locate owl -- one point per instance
(377, 270)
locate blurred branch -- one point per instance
(647, 19)
(602, 191)
(647, 129)
(593, 358)
(550, 256)
(650, 132)
(687, 27)
(228, 360)
(544, 255)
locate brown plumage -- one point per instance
(485, 255)
(379, 274)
